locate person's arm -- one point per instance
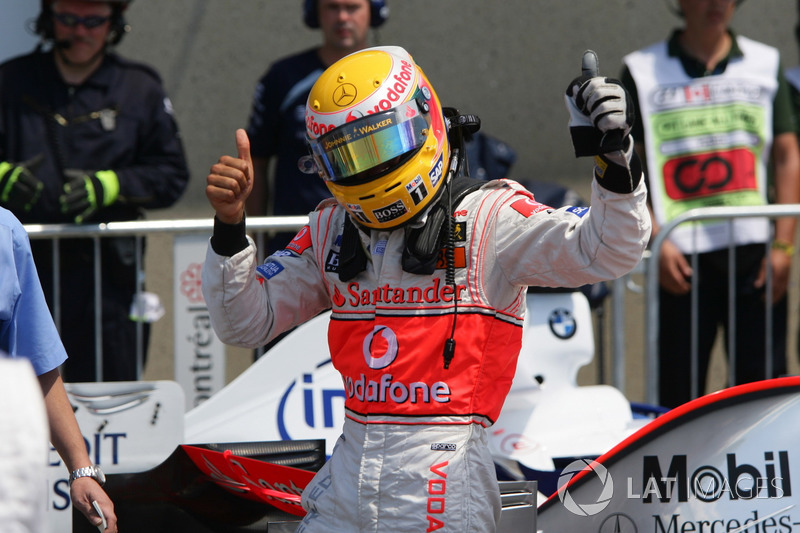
(147, 170)
(263, 131)
(568, 247)
(67, 438)
(40, 343)
(250, 305)
(674, 271)
(786, 162)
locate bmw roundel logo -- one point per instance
(562, 323)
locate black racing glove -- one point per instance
(87, 191)
(19, 187)
(601, 117)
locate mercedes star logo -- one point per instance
(344, 94)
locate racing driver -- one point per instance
(424, 270)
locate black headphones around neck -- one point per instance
(44, 23)
(378, 13)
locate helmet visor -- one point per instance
(368, 147)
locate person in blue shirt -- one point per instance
(27, 331)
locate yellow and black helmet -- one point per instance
(378, 136)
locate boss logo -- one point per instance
(390, 212)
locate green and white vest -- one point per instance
(707, 140)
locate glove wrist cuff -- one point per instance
(110, 185)
(615, 176)
(229, 239)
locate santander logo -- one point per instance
(338, 299)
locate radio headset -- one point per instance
(44, 24)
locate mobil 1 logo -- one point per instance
(417, 190)
(358, 213)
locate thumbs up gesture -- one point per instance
(230, 182)
(601, 113)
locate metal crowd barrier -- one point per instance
(652, 298)
(261, 226)
(139, 229)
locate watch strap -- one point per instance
(86, 471)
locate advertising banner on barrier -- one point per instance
(128, 426)
(199, 354)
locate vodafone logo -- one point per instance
(314, 128)
(383, 341)
(396, 86)
(301, 242)
(528, 207)
(353, 115)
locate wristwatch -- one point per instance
(93, 472)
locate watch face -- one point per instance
(99, 475)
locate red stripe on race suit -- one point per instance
(394, 365)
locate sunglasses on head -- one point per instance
(71, 20)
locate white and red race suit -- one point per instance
(413, 453)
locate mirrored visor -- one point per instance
(362, 149)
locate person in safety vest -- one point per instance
(715, 112)
(27, 333)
